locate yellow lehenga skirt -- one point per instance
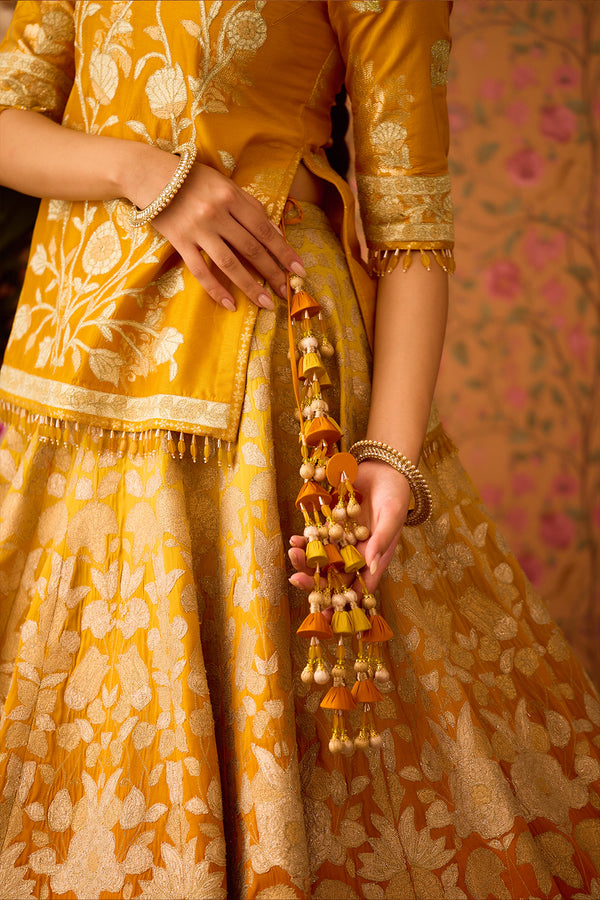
(157, 741)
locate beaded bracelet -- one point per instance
(143, 216)
(421, 512)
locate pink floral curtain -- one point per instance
(520, 384)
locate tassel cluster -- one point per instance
(330, 506)
(65, 433)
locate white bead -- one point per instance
(348, 747)
(376, 741)
(382, 675)
(307, 676)
(311, 532)
(308, 343)
(321, 675)
(338, 513)
(361, 533)
(336, 532)
(335, 745)
(320, 473)
(353, 509)
(338, 601)
(307, 470)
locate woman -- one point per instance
(158, 739)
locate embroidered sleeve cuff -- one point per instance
(406, 210)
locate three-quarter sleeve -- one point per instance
(396, 57)
(37, 58)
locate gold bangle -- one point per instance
(143, 216)
(421, 511)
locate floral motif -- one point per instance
(519, 391)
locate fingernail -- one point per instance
(374, 565)
(228, 304)
(298, 269)
(283, 291)
(266, 301)
(294, 579)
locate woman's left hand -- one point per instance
(384, 507)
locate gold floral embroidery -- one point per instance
(406, 209)
(440, 59)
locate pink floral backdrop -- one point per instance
(520, 383)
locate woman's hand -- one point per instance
(212, 214)
(385, 497)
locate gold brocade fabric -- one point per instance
(157, 738)
(112, 330)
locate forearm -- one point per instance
(409, 334)
(41, 158)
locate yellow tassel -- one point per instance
(206, 453)
(353, 559)
(170, 445)
(316, 554)
(194, 448)
(181, 445)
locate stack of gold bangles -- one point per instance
(140, 217)
(421, 511)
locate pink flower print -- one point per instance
(458, 116)
(517, 518)
(566, 76)
(557, 530)
(559, 123)
(503, 279)
(522, 483)
(516, 397)
(533, 568)
(491, 89)
(492, 495)
(518, 112)
(525, 167)
(523, 77)
(553, 291)
(541, 250)
(579, 343)
(565, 485)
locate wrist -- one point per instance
(143, 172)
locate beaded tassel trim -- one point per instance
(382, 262)
(62, 432)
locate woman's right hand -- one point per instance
(211, 213)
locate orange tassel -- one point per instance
(316, 625)
(365, 692)
(380, 630)
(338, 698)
(322, 429)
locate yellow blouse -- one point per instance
(112, 330)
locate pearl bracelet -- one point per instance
(421, 511)
(143, 216)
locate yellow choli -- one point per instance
(112, 330)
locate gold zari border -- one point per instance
(165, 411)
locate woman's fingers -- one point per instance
(254, 219)
(212, 214)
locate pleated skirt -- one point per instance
(157, 740)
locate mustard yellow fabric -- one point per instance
(157, 741)
(112, 330)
